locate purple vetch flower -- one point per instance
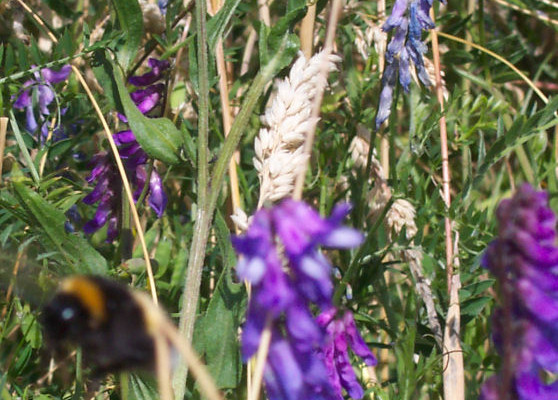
(36, 97)
(408, 19)
(163, 5)
(152, 76)
(290, 277)
(342, 335)
(108, 189)
(524, 259)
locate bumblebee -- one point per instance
(111, 323)
(119, 329)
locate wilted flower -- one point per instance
(108, 189)
(524, 259)
(409, 18)
(289, 275)
(36, 97)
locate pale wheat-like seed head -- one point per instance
(279, 145)
(241, 220)
(401, 213)
(373, 35)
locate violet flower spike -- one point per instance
(524, 259)
(409, 18)
(289, 277)
(107, 191)
(343, 335)
(41, 89)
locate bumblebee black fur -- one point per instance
(106, 319)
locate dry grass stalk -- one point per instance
(279, 145)
(401, 215)
(454, 374)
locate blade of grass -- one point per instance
(23, 149)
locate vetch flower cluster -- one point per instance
(408, 18)
(524, 259)
(289, 277)
(37, 96)
(342, 335)
(108, 189)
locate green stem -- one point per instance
(203, 114)
(61, 61)
(126, 237)
(124, 385)
(203, 219)
(238, 127)
(79, 374)
(23, 149)
(353, 268)
(205, 211)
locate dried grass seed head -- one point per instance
(286, 122)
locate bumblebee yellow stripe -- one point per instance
(89, 293)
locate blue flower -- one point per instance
(408, 19)
(524, 259)
(108, 189)
(290, 277)
(36, 97)
(163, 5)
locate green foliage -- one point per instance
(500, 133)
(159, 137)
(46, 219)
(130, 18)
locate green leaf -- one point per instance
(471, 308)
(279, 37)
(216, 25)
(224, 241)
(142, 388)
(60, 7)
(163, 256)
(459, 57)
(158, 137)
(130, 18)
(30, 328)
(522, 130)
(103, 70)
(49, 221)
(216, 332)
(474, 289)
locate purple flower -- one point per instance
(524, 259)
(163, 4)
(108, 188)
(150, 77)
(36, 97)
(290, 277)
(408, 18)
(343, 335)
